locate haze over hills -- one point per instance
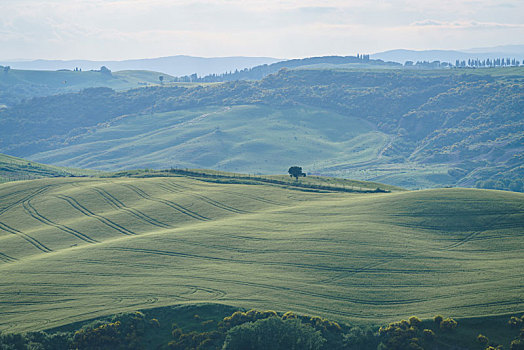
(173, 65)
(410, 128)
(181, 65)
(17, 85)
(402, 55)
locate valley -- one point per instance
(411, 128)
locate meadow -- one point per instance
(16, 169)
(73, 249)
(256, 139)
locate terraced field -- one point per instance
(72, 249)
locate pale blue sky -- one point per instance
(123, 29)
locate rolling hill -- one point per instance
(414, 129)
(18, 85)
(73, 249)
(16, 169)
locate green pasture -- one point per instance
(69, 81)
(73, 249)
(16, 169)
(255, 139)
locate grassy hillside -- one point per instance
(16, 85)
(75, 249)
(14, 169)
(256, 139)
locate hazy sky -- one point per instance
(122, 29)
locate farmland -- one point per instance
(73, 249)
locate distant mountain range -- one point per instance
(182, 65)
(401, 56)
(172, 65)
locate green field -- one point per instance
(74, 81)
(16, 169)
(73, 249)
(256, 139)
(17, 85)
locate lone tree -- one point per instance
(296, 171)
(161, 78)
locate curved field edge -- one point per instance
(16, 169)
(120, 244)
(207, 320)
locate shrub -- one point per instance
(154, 322)
(448, 324)
(438, 319)
(482, 339)
(515, 321)
(415, 321)
(399, 336)
(289, 315)
(125, 331)
(273, 333)
(517, 344)
(428, 334)
(177, 332)
(239, 317)
(359, 338)
(13, 341)
(55, 341)
(195, 340)
(414, 344)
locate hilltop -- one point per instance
(18, 85)
(15, 169)
(78, 248)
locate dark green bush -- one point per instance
(482, 340)
(517, 344)
(516, 321)
(195, 340)
(125, 331)
(398, 336)
(273, 333)
(414, 321)
(428, 334)
(438, 319)
(448, 324)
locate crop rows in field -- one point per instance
(77, 249)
